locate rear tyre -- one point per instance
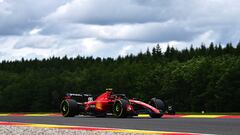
(69, 108)
(120, 108)
(159, 104)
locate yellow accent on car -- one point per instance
(143, 115)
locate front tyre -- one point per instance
(159, 104)
(69, 108)
(120, 108)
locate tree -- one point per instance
(192, 79)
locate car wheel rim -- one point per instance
(64, 108)
(118, 109)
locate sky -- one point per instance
(108, 28)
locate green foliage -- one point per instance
(195, 79)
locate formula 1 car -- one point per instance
(108, 103)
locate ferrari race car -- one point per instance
(108, 103)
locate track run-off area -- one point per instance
(143, 124)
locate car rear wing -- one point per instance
(79, 97)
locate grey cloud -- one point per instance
(21, 16)
(106, 12)
(39, 42)
(146, 32)
(191, 18)
(163, 32)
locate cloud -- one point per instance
(125, 50)
(4, 8)
(152, 20)
(105, 12)
(145, 32)
(20, 16)
(110, 28)
(35, 31)
(35, 41)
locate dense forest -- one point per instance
(192, 79)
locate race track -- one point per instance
(226, 126)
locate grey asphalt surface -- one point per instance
(193, 125)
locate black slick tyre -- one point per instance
(69, 108)
(159, 104)
(120, 108)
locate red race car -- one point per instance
(109, 103)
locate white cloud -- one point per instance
(126, 50)
(74, 47)
(91, 45)
(35, 31)
(4, 8)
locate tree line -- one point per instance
(192, 79)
